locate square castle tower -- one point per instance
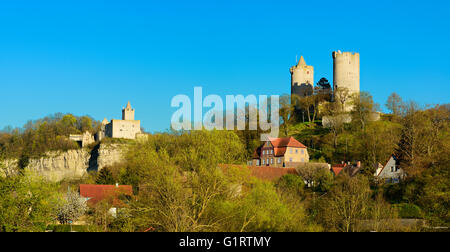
(126, 128)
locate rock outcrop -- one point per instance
(57, 165)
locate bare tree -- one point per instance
(395, 104)
(342, 95)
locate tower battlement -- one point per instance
(128, 113)
(346, 71)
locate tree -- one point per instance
(316, 176)
(73, 208)
(286, 111)
(27, 203)
(323, 83)
(105, 177)
(395, 104)
(342, 95)
(376, 143)
(307, 104)
(346, 204)
(363, 108)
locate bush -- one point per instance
(66, 228)
(409, 211)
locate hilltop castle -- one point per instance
(127, 128)
(345, 75)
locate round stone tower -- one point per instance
(346, 71)
(302, 78)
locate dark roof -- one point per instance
(96, 193)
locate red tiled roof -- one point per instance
(269, 173)
(96, 193)
(336, 170)
(279, 146)
(286, 142)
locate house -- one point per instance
(113, 194)
(390, 172)
(280, 152)
(350, 169)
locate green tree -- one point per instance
(27, 203)
(105, 177)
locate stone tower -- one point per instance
(302, 78)
(128, 113)
(346, 71)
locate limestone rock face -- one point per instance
(57, 166)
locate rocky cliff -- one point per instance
(57, 166)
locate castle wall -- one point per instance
(346, 71)
(125, 129)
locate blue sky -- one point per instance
(91, 57)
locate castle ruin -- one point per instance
(345, 76)
(127, 128)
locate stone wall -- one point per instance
(57, 166)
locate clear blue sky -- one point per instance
(91, 57)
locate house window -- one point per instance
(257, 162)
(271, 160)
(296, 151)
(267, 161)
(290, 151)
(263, 162)
(279, 160)
(271, 151)
(290, 159)
(303, 151)
(392, 168)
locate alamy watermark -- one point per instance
(240, 113)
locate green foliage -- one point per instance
(261, 209)
(105, 177)
(291, 183)
(48, 134)
(27, 203)
(67, 228)
(409, 211)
